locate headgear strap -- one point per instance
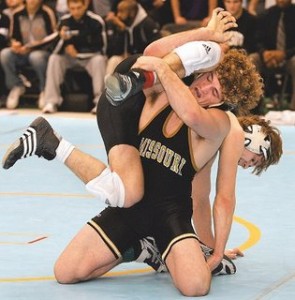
(256, 141)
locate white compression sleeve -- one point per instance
(108, 187)
(198, 55)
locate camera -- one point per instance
(71, 33)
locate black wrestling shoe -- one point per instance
(151, 255)
(39, 139)
(226, 266)
(121, 86)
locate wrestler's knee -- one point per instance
(195, 286)
(62, 273)
(67, 273)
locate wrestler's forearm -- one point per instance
(217, 25)
(165, 45)
(223, 211)
(206, 123)
(225, 199)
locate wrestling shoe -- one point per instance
(226, 266)
(121, 86)
(39, 139)
(151, 255)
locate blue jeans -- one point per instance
(12, 62)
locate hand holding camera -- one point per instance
(66, 33)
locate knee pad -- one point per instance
(198, 55)
(108, 187)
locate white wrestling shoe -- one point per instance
(151, 255)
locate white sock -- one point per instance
(64, 150)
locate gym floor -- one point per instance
(43, 205)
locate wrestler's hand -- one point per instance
(235, 38)
(233, 253)
(151, 63)
(213, 261)
(221, 21)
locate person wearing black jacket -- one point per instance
(30, 25)
(4, 30)
(270, 58)
(129, 32)
(245, 35)
(83, 43)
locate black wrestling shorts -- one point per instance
(168, 223)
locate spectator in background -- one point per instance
(245, 35)
(4, 37)
(269, 3)
(276, 43)
(4, 30)
(189, 14)
(158, 10)
(29, 27)
(256, 7)
(101, 7)
(61, 8)
(83, 41)
(12, 6)
(129, 32)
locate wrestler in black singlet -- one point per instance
(166, 209)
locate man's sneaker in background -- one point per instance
(49, 108)
(39, 139)
(150, 255)
(121, 86)
(41, 100)
(14, 95)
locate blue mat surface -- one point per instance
(43, 205)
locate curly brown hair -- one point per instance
(276, 145)
(242, 85)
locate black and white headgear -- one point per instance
(256, 141)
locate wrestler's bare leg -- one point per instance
(188, 268)
(86, 257)
(125, 161)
